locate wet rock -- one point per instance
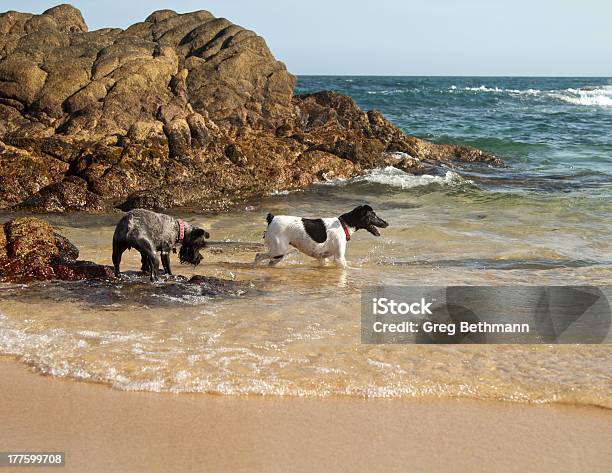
(234, 154)
(145, 200)
(71, 270)
(65, 247)
(30, 250)
(197, 289)
(180, 109)
(69, 194)
(217, 284)
(134, 289)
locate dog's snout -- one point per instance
(379, 222)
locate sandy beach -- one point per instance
(103, 429)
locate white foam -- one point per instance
(499, 90)
(483, 88)
(399, 155)
(394, 177)
(285, 192)
(387, 92)
(600, 96)
(596, 96)
(187, 299)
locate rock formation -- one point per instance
(31, 251)
(180, 109)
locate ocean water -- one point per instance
(556, 133)
(543, 220)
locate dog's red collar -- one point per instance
(181, 226)
(346, 230)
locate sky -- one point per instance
(395, 37)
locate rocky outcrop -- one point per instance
(31, 251)
(180, 109)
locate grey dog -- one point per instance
(150, 232)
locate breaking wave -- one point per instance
(183, 362)
(600, 96)
(484, 88)
(393, 177)
(596, 96)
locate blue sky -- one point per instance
(394, 37)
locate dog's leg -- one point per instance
(275, 260)
(322, 262)
(144, 264)
(118, 250)
(154, 264)
(165, 259)
(261, 257)
(339, 257)
(278, 248)
(148, 254)
(342, 262)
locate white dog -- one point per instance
(320, 238)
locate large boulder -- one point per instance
(31, 251)
(180, 109)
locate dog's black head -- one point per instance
(193, 242)
(364, 217)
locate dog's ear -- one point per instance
(363, 210)
(198, 232)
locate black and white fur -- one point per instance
(150, 232)
(320, 238)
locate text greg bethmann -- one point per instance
(384, 306)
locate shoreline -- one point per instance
(103, 429)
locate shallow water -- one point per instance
(295, 329)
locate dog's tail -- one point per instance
(269, 218)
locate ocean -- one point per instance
(545, 219)
(555, 133)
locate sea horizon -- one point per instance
(452, 76)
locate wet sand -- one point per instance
(103, 429)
